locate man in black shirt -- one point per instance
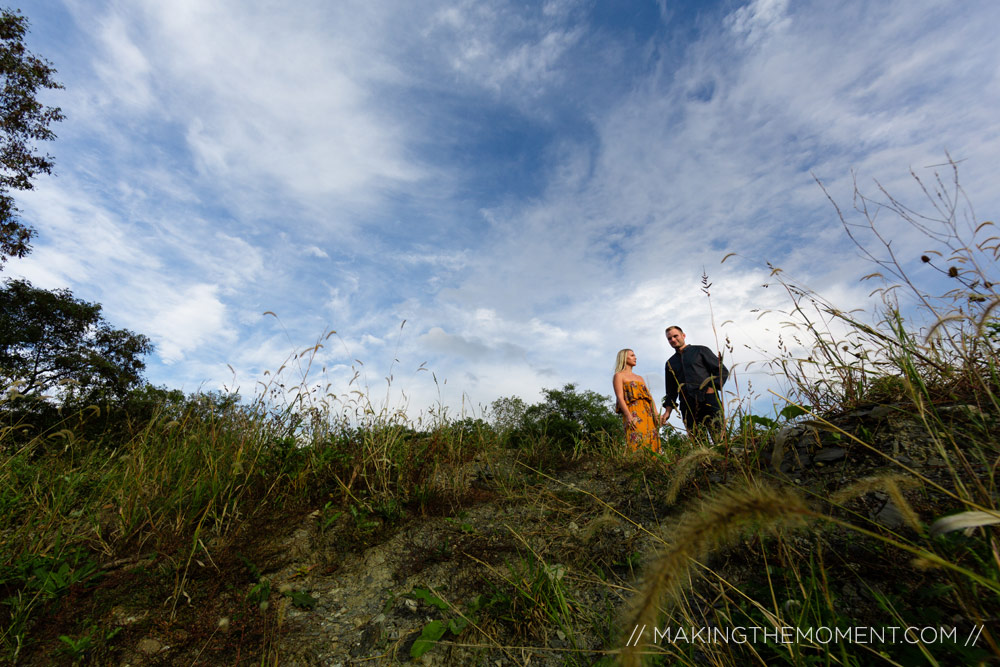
(695, 376)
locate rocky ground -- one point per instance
(528, 568)
(495, 564)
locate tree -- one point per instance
(568, 416)
(507, 413)
(51, 340)
(23, 121)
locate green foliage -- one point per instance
(50, 576)
(363, 522)
(283, 456)
(252, 569)
(463, 526)
(303, 600)
(30, 581)
(107, 424)
(435, 630)
(429, 636)
(23, 121)
(787, 413)
(260, 592)
(390, 509)
(54, 341)
(533, 596)
(507, 413)
(886, 389)
(328, 516)
(426, 596)
(791, 411)
(566, 418)
(77, 648)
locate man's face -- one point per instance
(676, 338)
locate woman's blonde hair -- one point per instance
(620, 361)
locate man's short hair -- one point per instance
(673, 326)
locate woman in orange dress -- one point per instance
(636, 405)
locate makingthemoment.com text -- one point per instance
(793, 635)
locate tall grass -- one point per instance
(191, 476)
(182, 480)
(932, 360)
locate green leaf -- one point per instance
(793, 411)
(432, 632)
(429, 598)
(303, 599)
(457, 625)
(756, 420)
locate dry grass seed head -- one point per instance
(905, 509)
(892, 485)
(869, 484)
(605, 520)
(682, 471)
(713, 524)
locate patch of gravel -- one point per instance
(365, 610)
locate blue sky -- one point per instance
(530, 186)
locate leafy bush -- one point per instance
(566, 418)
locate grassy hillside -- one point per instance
(855, 525)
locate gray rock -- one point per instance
(369, 636)
(882, 411)
(890, 516)
(149, 646)
(788, 434)
(802, 458)
(298, 544)
(829, 454)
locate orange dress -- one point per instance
(646, 433)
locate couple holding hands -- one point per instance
(694, 375)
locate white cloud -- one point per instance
(528, 189)
(501, 47)
(680, 180)
(316, 251)
(262, 102)
(445, 261)
(753, 22)
(183, 321)
(125, 69)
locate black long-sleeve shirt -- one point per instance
(686, 374)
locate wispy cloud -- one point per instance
(530, 187)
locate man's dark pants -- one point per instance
(706, 415)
